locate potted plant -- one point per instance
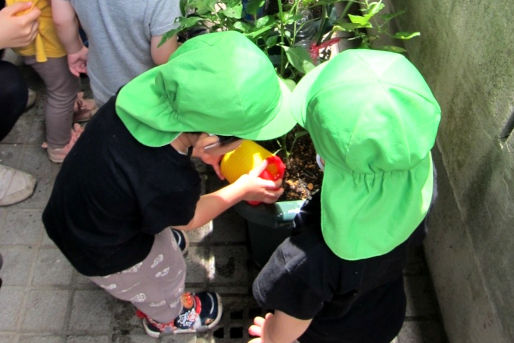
(296, 35)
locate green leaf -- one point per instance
(233, 12)
(266, 20)
(252, 7)
(271, 41)
(299, 58)
(345, 26)
(392, 48)
(184, 23)
(203, 6)
(360, 20)
(374, 8)
(406, 35)
(257, 33)
(242, 26)
(300, 133)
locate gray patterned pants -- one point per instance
(155, 284)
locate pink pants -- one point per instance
(155, 284)
(61, 91)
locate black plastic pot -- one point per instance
(268, 226)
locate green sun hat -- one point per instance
(374, 120)
(219, 83)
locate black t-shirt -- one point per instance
(113, 194)
(349, 301)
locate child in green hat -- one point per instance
(129, 176)
(373, 120)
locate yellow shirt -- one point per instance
(46, 44)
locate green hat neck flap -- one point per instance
(219, 83)
(374, 120)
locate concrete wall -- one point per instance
(466, 54)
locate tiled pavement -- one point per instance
(43, 300)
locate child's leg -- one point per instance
(62, 88)
(154, 285)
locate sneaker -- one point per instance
(15, 185)
(200, 312)
(57, 155)
(181, 239)
(84, 109)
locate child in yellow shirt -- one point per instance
(47, 57)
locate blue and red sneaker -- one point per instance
(200, 312)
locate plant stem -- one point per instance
(282, 54)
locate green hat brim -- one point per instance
(220, 83)
(282, 122)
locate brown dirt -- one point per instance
(303, 176)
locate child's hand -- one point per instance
(77, 62)
(257, 329)
(18, 29)
(257, 189)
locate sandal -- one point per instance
(83, 109)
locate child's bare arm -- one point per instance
(67, 25)
(161, 54)
(247, 187)
(277, 328)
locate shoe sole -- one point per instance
(205, 328)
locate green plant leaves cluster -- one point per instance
(276, 32)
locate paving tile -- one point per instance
(7, 338)
(37, 131)
(143, 338)
(10, 155)
(10, 300)
(20, 133)
(41, 193)
(22, 227)
(52, 268)
(231, 264)
(17, 264)
(41, 339)
(91, 312)
(124, 319)
(199, 264)
(46, 241)
(88, 339)
(45, 311)
(83, 282)
(35, 161)
(229, 227)
(201, 234)
(182, 338)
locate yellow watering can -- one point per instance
(248, 156)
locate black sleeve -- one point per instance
(283, 285)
